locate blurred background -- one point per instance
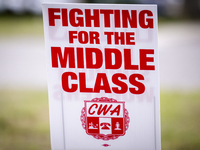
(24, 120)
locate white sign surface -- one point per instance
(103, 80)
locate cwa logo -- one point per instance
(105, 118)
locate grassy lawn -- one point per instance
(21, 25)
(180, 121)
(24, 121)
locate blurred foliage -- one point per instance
(24, 120)
(192, 9)
(114, 1)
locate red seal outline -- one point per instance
(103, 136)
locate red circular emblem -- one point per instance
(105, 118)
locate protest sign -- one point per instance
(103, 77)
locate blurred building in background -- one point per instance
(166, 8)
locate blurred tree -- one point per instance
(192, 8)
(114, 1)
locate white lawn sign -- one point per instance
(103, 77)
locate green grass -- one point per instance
(21, 25)
(24, 120)
(180, 120)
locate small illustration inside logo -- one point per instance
(105, 118)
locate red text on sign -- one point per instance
(91, 17)
(94, 58)
(102, 83)
(104, 109)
